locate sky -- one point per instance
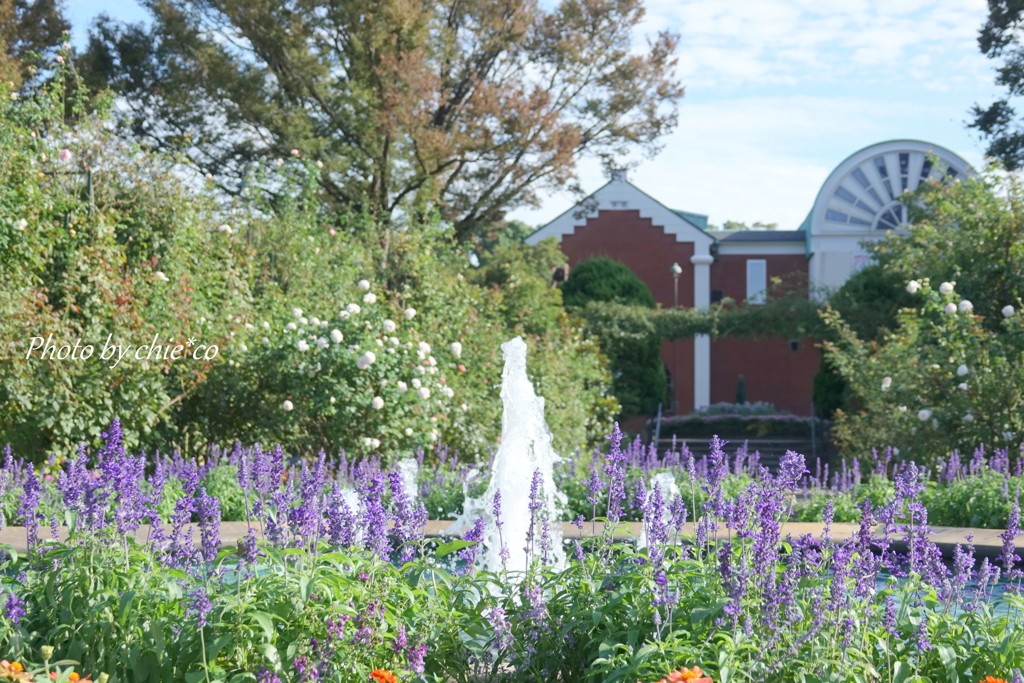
(779, 92)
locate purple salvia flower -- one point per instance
(375, 517)
(409, 518)
(14, 607)
(208, 510)
(198, 604)
(28, 507)
(1009, 557)
(476, 536)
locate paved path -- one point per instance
(986, 541)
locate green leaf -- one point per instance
(195, 676)
(266, 622)
(452, 546)
(699, 614)
(214, 648)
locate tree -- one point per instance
(737, 225)
(475, 105)
(639, 380)
(1000, 37)
(28, 27)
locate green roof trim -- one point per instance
(697, 220)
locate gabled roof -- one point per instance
(621, 195)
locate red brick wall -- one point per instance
(772, 371)
(646, 250)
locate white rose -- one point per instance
(266, 325)
(432, 360)
(420, 370)
(1007, 311)
(449, 392)
(20, 224)
(266, 341)
(333, 400)
(962, 370)
(886, 383)
(291, 326)
(464, 406)
(161, 277)
(287, 405)
(416, 383)
(322, 342)
(302, 345)
(424, 393)
(343, 315)
(369, 298)
(375, 443)
(250, 326)
(353, 309)
(394, 341)
(377, 403)
(314, 321)
(903, 409)
(433, 435)
(336, 336)
(410, 313)
(946, 288)
(432, 370)
(379, 342)
(363, 285)
(913, 286)
(408, 431)
(456, 348)
(966, 306)
(402, 386)
(389, 326)
(962, 386)
(424, 348)
(303, 321)
(968, 418)
(297, 312)
(924, 414)
(366, 360)
(950, 308)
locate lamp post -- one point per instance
(676, 272)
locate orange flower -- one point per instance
(13, 671)
(992, 679)
(383, 676)
(684, 675)
(73, 677)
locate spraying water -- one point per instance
(525, 448)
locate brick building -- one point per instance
(858, 202)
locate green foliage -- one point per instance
(640, 382)
(602, 279)
(469, 108)
(147, 253)
(941, 381)
(970, 232)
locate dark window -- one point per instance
(862, 205)
(926, 168)
(835, 216)
(880, 165)
(903, 181)
(859, 221)
(716, 296)
(874, 195)
(904, 163)
(843, 193)
(888, 188)
(794, 346)
(951, 172)
(861, 178)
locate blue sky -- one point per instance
(778, 92)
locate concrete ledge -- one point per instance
(986, 541)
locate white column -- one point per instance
(701, 342)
